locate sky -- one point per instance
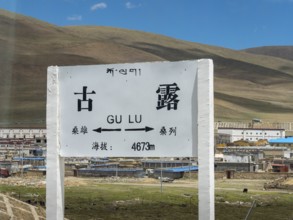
(234, 24)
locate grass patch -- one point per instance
(269, 205)
(115, 201)
(130, 202)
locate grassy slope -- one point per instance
(246, 85)
(284, 52)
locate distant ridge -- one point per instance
(247, 85)
(284, 52)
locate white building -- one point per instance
(237, 158)
(16, 133)
(251, 134)
(288, 154)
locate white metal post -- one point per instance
(205, 116)
(55, 163)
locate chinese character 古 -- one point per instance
(88, 102)
(167, 96)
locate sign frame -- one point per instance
(203, 131)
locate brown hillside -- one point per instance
(284, 52)
(246, 85)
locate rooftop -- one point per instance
(267, 129)
(288, 140)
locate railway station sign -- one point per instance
(158, 109)
(131, 110)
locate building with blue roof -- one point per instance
(284, 142)
(287, 142)
(174, 172)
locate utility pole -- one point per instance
(23, 142)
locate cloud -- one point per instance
(101, 5)
(74, 18)
(130, 5)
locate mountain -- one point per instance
(247, 85)
(284, 52)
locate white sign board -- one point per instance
(131, 110)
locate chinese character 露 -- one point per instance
(167, 96)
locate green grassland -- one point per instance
(146, 201)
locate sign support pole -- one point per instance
(205, 116)
(55, 163)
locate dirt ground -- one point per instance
(40, 182)
(289, 181)
(255, 186)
